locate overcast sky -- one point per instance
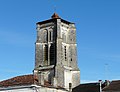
(98, 35)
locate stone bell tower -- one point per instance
(56, 53)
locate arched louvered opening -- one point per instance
(46, 55)
(52, 54)
(45, 33)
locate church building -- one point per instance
(56, 68)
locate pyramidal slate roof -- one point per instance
(54, 17)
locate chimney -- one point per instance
(107, 82)
(100, 82)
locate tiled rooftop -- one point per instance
(18, 81)
(23, 81)
(89, 87)
(114, 86)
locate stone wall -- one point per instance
(62, 35)
(31, 89)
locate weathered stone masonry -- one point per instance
(55, 53)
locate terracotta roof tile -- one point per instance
(55, 16)
(22, 81)
(18, 81)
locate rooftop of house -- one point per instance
(88, 87)
(95, 87)
(30, 79)
(113, 86)
(24, 80)
(18, 81)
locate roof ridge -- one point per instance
(15, 77)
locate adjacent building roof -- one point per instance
(113, 86)
(89, 87)
(18, 81)
(24, 80)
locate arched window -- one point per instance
(52, 54)
(46, 55)
(51, 35)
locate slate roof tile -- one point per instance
(114, 86)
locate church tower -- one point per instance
(56, 53)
